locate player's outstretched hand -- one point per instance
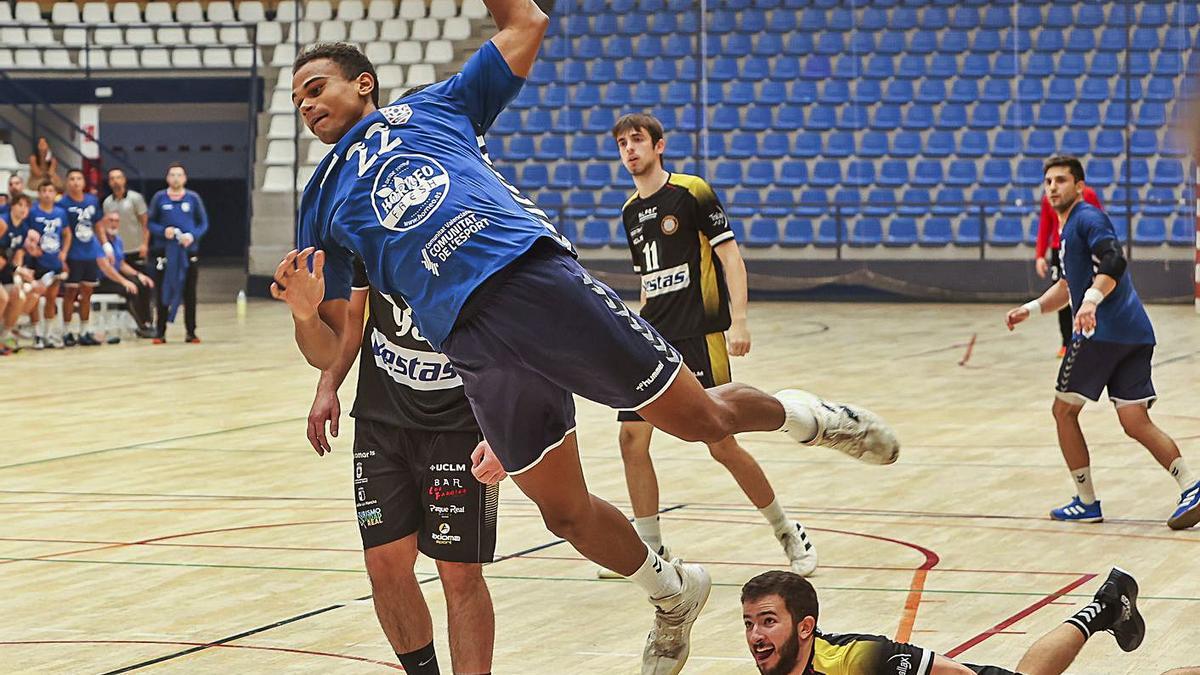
(1015, 316)
(325, 409)
(302, 289)
(738, 337)
(485, 466)
(1085, 318)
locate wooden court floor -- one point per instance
(161, 511)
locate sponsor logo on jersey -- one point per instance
(397, 115)
(450, 510)
(667, 281)
(370, 517)
(647, 214)
(447, 467)
(407, 191)
(641, 386)
(903, 663)
(422, 371)
(450, 238)
(186, 207)
(670, 225)
(717, 217)
(443, 536)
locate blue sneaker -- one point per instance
(1188, 513)
(1078, 512)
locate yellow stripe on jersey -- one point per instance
(630, 200)
(718, 358)
(695, 185)
(710, 293)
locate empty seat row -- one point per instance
(128, 57)
(190, 11)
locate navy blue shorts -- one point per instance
(85, 271)
(1090, 366)
(707, 358)
(539, 331)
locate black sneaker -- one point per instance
(1120, 592)
(69, 340)
(192, 338)
(88, 340)
(146, 332)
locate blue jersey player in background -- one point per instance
(88, 244)
(1112, 347)
(410, 189)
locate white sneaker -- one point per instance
(669, 642)
(856, 431)
(800, 551)
(603, 572)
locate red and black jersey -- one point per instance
(671, 235)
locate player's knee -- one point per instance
(460, 577)
(1136, 428)
(567, 523)
(633, 445)
(1065, 412)
(390, 561)
(711, 426)
(724, 451)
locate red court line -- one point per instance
(172, 536)
(306, 652)
(1000, 627)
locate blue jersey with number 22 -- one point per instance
(410, 189)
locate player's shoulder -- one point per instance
(633, 197)
(696, 185)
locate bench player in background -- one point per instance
(693, 291)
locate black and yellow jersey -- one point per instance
(855, 654)
(671, 236)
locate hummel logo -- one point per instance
(1080, 478)
(850, 413)
(1126, 611)
(657, 564)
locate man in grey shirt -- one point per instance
(129, 207)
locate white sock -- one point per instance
(650, 531)
(75, 324)
(657, 577)
(799, 420)
(779, 521)
(39, 329)
(1182, 474)
(1082, 478)
(87, 325)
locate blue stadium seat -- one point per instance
(1115, 115)
(565, 177)
(848, 201)
(830, 44)
(534, 177)
(812, 203)
(879, 67)
(679, 93)
(713, 145)
(902, 19)
(1029, 171)
(610, 203)
(1074, 142)
(952, 117)
(812, 20)
(635, 71)
(899, 92)
(950, 202)
(767, 44)
(1167, 173)
(756, 68)
(906, 144)
(881, 202)
(891, 44)
(887, 117)
(827, 233)
(1019, 201)
(985, 42)
(986, 197)
(1051, 116)
(1161, 90)
(962, 173)
(1144, 143)
(964, 90)
(742, 146)
(757, 118)
(774, 146)
(583, 148)
(1062, 89)
(894, 173)
(1150, 231)
(1081, 40)
(922, 43)
(835, 92)
(763, 233)
(727, 175)
(778, 204)
(1151, 115)
(932, 91)
(1059, 16)
(1160, 201)
(797, 232)
(874, 144)
(997, 90)
(853, 117)
(648, 47)
(680, 146)
(555, 49)
(912, 67)
(918, 117)
(953, 42)
(1016, 41)
(839, 144)
(808, 145)
(595, 234)
(996, 173)
(861, 173)
(901, 232)
(1099, 173)
(1176, 40)
(751, 21)
(781, 21)
(1152, 16)
(1007, 232)
(1029, 16)
(965, 18)
(826, 173)
(928, 173)
(821, 119)
(1138, 170)
(862, 42)
(1085, 116)
(1094, 90)
(1089, 16)
(596, 176)
(792, 174)
(940, 144)
(634, 24)
(973, 144)
(738, 93)
(520, 148)
(872, 19)
(968, 232)
(1029, 90)
(1006, 64)
(916, 202)
(976, 66)
(798, 44)
(848, 67)
(985, 116)
(816, 67)
(1183, 232)
(1007, 143)
(725, 118)
(1105, 64)
(1041, 64)
(582, 204)
(744, 204)
(936, 233)
(867, 92)
(866, 232)
(602, 72)
(772, 93)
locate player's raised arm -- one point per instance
(522, 25)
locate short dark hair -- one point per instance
(349, 59)
(44, 182)
(78, 171)
(1072, 163)
(798, 595)
(645, 121)
(176, 165)
(19, 197)
(117, 169)
(412, 90)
